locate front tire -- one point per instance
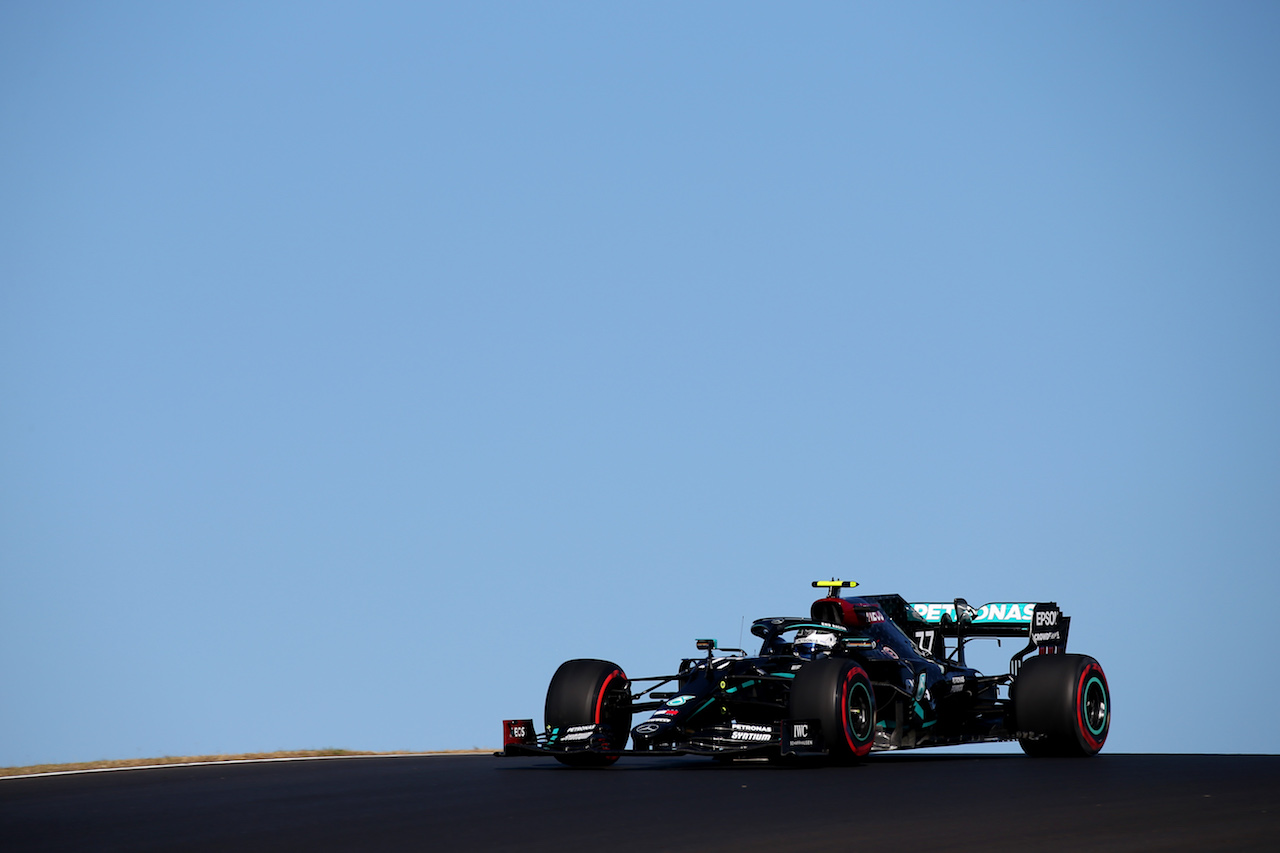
(589, 692)
(838, 694)
(1064, 704)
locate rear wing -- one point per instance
(1042, 623)
(997, 619)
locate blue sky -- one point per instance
(362, 362)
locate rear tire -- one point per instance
(1064, 701)
(587, 692)
(837, 693)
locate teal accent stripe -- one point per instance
(1106, 708)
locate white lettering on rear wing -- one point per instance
(995, 613)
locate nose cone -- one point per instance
(657, 729)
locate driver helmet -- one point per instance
(813, 642)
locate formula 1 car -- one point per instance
(860, 673)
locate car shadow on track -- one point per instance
(683, 764)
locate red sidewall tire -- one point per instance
(589, 692)
(1091, 722)
(837, 692)
(1062, 703)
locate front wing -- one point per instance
(788, 737)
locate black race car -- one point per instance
(860, 673)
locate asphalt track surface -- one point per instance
(933, 801)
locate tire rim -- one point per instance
(860, 719)
(1095, 706)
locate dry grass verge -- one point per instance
(200, 759)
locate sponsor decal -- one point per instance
(1049, 630)
(990, 614)
(801, 736)
(745, 731)
(578, 733)
(518, 731)
(680, 700)
(665, 712)
(647, 728)
(751, 736)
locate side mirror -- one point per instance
(707, 645)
